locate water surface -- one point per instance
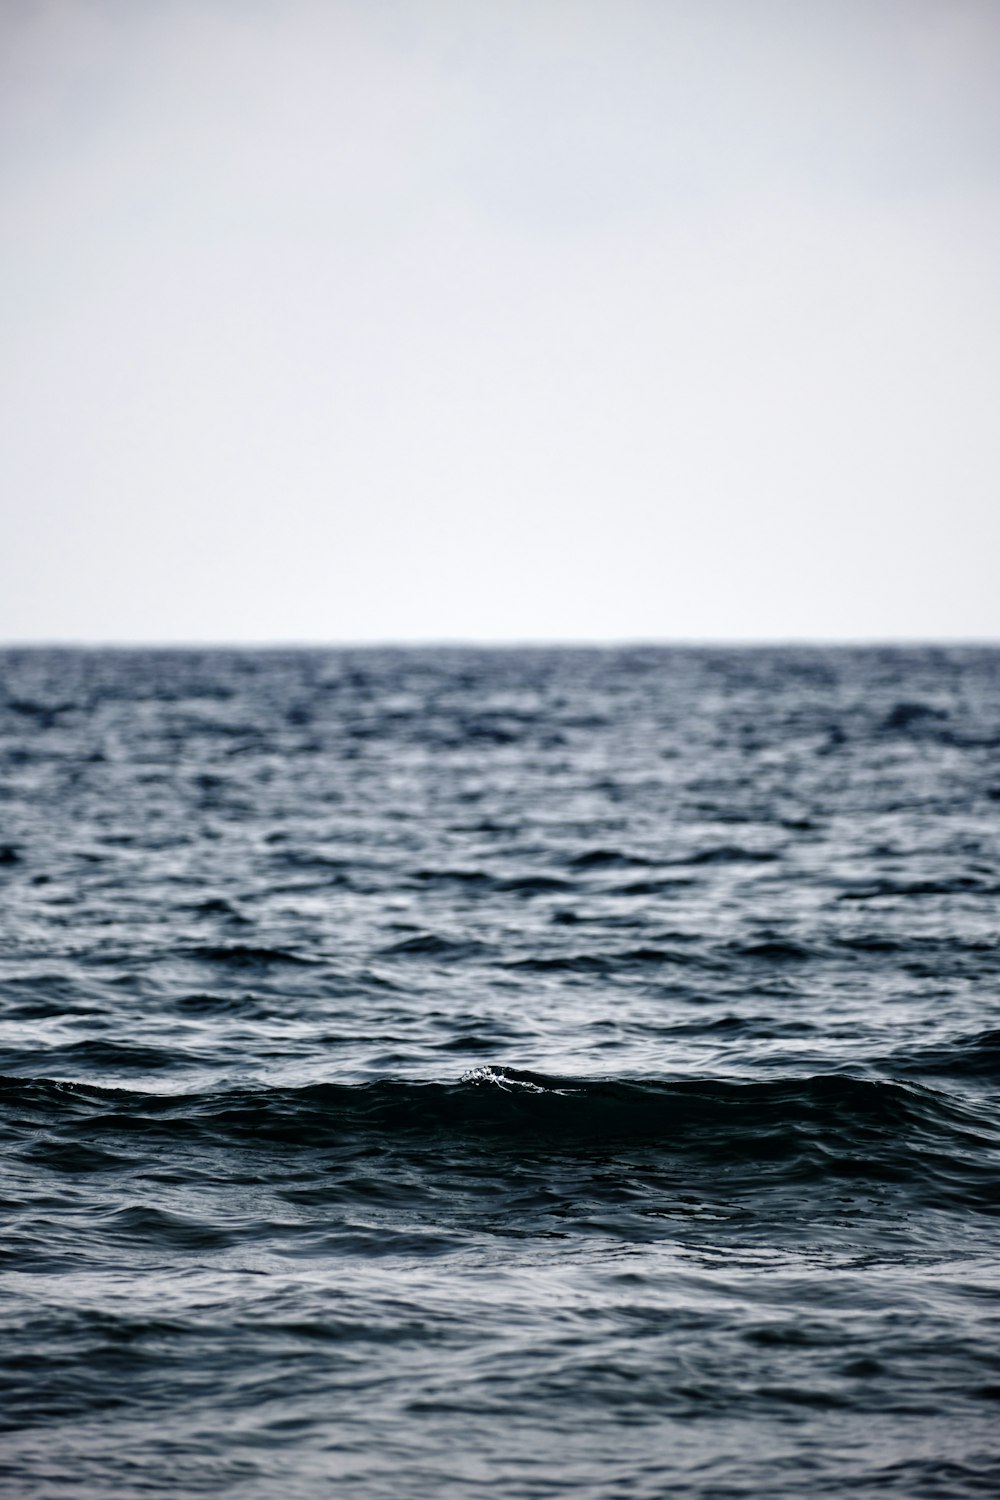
(542, 1072)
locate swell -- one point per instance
(827, 1126)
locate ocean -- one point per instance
(523, 1072)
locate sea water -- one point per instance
(521, 1072)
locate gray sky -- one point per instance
(332, 320)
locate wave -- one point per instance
(975, 1057)
(955, 885)
(243, 955)
(827, 1126)
(431, 945)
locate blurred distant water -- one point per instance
(524, 1072)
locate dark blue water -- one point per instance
(526, 1073)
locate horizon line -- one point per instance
(506, 643)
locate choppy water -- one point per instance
(433, 1073)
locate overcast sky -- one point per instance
(331, 320)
